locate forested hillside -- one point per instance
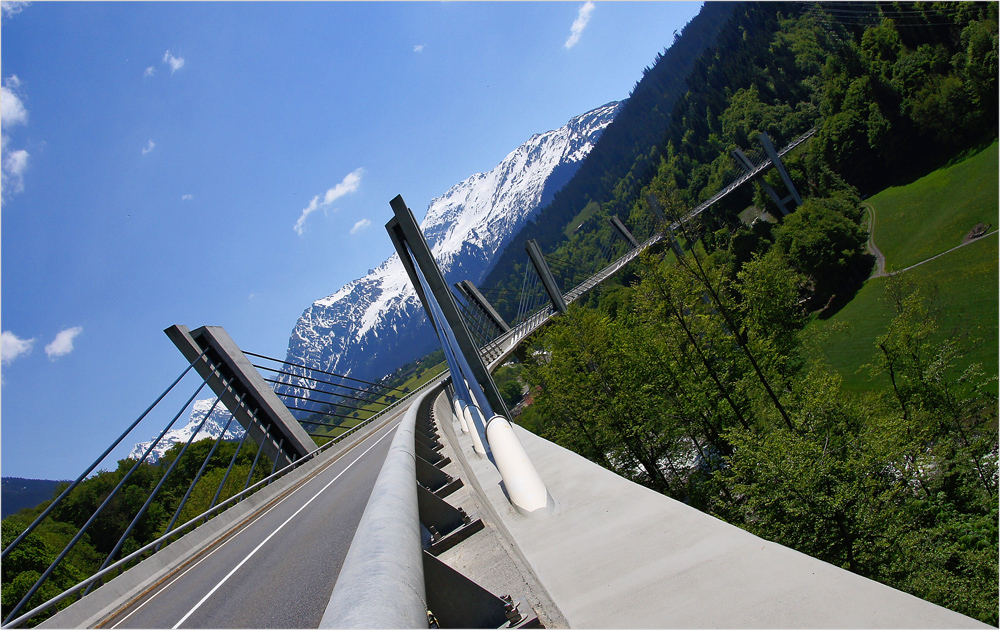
(696, 375)
(629, 147)
(226, 472)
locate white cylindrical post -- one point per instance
(525, 489)
(472, 414)
(460, 413)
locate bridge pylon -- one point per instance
(545, 274)
(244, 392)
(749, 166)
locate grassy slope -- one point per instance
(911, 228)
(932, 214)
(371, 409)
(587, 212)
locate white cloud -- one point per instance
(149, 147)
(12, 111)
(148, 72)
(13, 7)
(13, 164)
(579, 24)
(12, 346)
(418, 48)
(176, 63)
(187, 197)
(63, 343)
(349, 184)
(360, 225)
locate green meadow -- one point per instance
(914, 223)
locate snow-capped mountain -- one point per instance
(213, 427)
(374, 324)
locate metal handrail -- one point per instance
(381, 583)
(247, 491)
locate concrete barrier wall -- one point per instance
(381, 584)
(614, 554)
(119, 592)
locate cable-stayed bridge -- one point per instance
(369, 506)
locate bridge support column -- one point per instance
(247, 396)
(473, 294)
(776, 161)
(745, 162)
(618, 225)
(654, 205)
(409, 240)
(548, 281)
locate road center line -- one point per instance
(271, 535)
(203, 558)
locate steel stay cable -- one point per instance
(485, 321)
(322, 391)
(496, 291)
(79, 479)
(328, 402)
(520, 296)
(156, 490)
(310, 378)
(472, 323)
(159, 541)
(486, 324)
(324, 424)
(323, 413)
(201, 470)
(225, 477)
(476, 328)
(350, 378)
(156, 543)
(260, 449)
(281, 443)
(477, 320)
(52, 567)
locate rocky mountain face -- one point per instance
(374, 324)
(213, 427)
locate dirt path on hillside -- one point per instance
(880, 257)
(872, 248)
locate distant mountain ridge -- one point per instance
(371, 326)
(374, 324)
(212, 428)
(17, 493)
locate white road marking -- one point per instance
(206, 557)
(271, 535)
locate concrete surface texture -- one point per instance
(488, 557)
(145, 581)
(614, 554)
(381, 583)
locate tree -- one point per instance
(822, 241)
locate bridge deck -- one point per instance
(614, 554)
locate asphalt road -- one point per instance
(279, 570)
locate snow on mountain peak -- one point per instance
(214, 426)
(374, 324)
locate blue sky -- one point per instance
(228, 163)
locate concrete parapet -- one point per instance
(381, 584)
(118, 593)
(614, 554)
